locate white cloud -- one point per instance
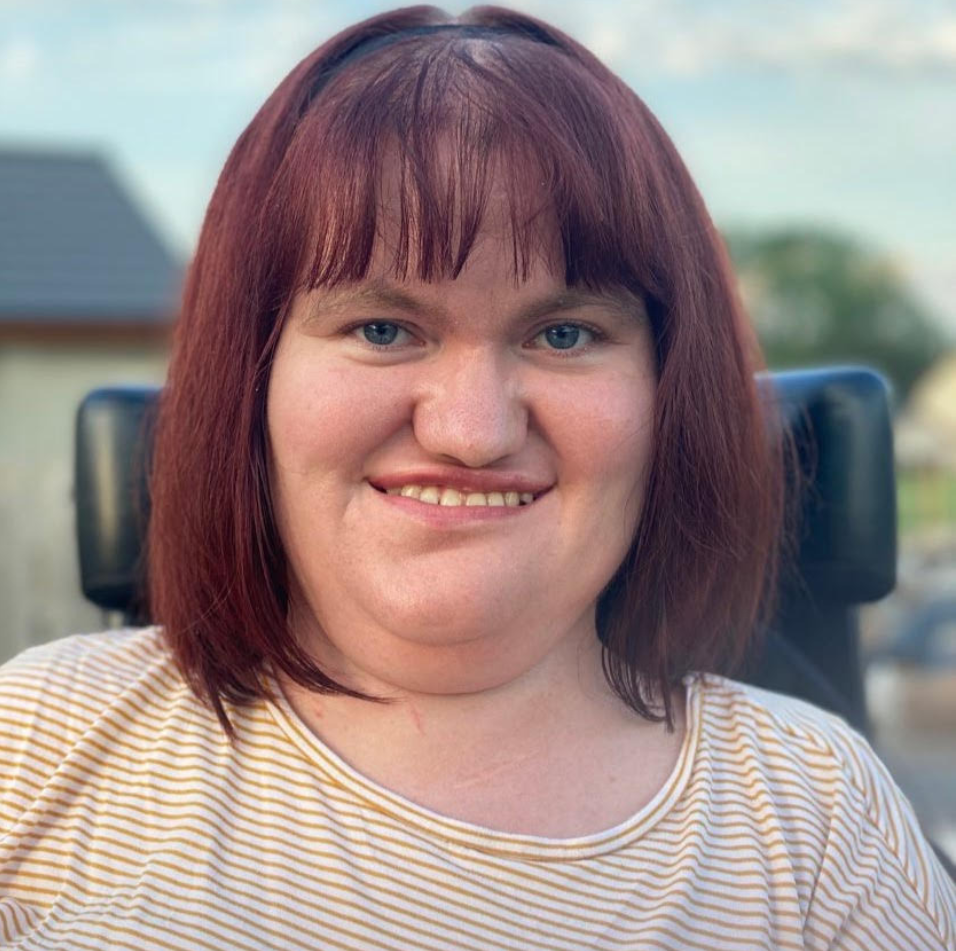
(696, 37)
(19, 58)
(215, 44)
(194, 46)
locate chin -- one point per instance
(437, 609)
(447, 625)
(449, 666)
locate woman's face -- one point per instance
(475, 392)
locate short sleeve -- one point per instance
(880, 886)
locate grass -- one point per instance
(925, 500)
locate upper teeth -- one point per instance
(437, 495)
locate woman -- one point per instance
(461, 486)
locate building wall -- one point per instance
(41, 385)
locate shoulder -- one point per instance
(803, 747)
(72, 680)
(105, 651)
(80, 675)
(797, 749)
(53, 695)
(824, 787)
(786, 725)
(806, 765)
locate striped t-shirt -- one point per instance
(128, 821)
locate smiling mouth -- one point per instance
(461, 498)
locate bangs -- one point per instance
(423, 143)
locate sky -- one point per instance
(836, 113)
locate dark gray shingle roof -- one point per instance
(74, 247)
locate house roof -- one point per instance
(75, 248)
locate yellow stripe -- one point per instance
(295, 885)
(279, 842)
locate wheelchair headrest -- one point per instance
(114, 429)
(839, 419)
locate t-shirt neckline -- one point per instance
(466, 836)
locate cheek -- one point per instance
(606, 430)
(606, 446)
(324, 418)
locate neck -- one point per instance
(495, 756)
(565, 688)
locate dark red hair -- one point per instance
(515, 102)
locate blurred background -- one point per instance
(822, 134)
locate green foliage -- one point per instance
(925, 500)
(819, 297)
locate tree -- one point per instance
(819, 297)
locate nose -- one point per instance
(469, 408)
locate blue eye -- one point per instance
(380, 333)
(566, 336)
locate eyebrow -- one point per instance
(379, 293)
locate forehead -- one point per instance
(511, 260)
(502, 258)
(461, 138)
(406, 295)
(502, 219)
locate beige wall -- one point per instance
(41, 384)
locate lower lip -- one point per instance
(453, 514)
